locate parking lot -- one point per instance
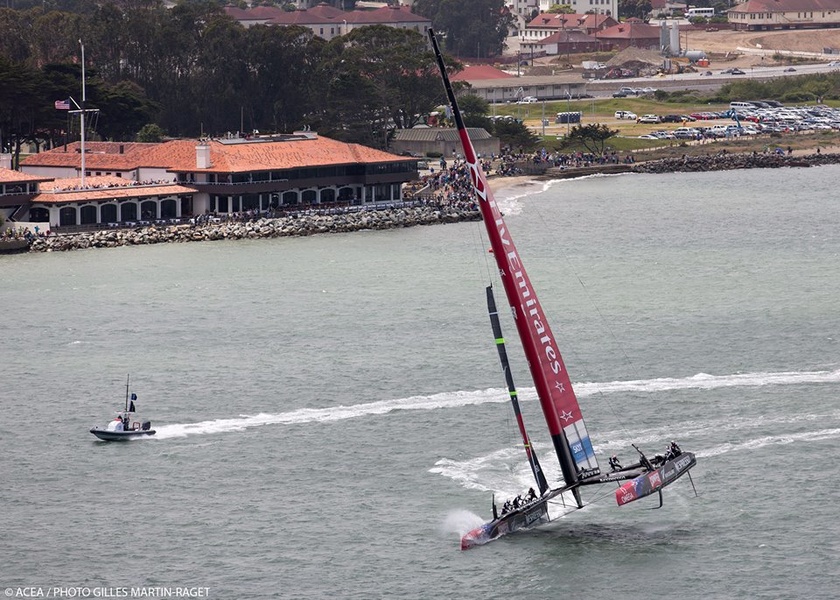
(765, 117)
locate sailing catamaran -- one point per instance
(559, 404)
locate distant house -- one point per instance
(182, 178)
(784, 14)
(439, 141)
(632, 34)
(567, 42)
(328, 22)
(565, 33)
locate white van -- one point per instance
(742, 106)
(625, 114)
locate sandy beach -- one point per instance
(506, 184)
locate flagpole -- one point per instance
(82, 118)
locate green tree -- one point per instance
(634, 8)
(150, 132)
(475, 111)
(593, 137)
(515, 134)
(376, 79)
(281, 63)
(474, 28)
(124, 108)
(14, 41)
(20, 105)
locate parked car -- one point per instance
(686, 133)
(650, 119)
(619, 94)
(790, 70)
(528, 100)
(625, 114)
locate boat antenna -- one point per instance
(82, 118)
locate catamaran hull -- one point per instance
(534, 514)
(120, 436)
(653, 481)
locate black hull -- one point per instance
(535, 513)
(121, 436)
(653, 481)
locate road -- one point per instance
(604, 88)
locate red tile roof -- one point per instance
(631, 31)
(480, 73)
(767, 6)
(569, 21)
(242, 157)
(226, 156)
(99, 156)
(10, 176)
(386, 14)
(568, 36)
(103, 189)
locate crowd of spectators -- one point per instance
(23, 233)
(113, 184)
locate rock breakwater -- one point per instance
(298, 225)
(724, 161)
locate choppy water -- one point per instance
(331, 416)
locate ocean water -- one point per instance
(331, 416)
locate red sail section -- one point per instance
(557, 398)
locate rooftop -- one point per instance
(230, 155)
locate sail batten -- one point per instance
(554, 388)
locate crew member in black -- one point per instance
(615, 465)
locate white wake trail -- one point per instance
(493, 395)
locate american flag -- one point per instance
(62, 105)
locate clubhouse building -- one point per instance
(131, 183)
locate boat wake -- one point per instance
(459, 399)
(771, 440)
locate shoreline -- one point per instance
(426, 214)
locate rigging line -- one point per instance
(604, 321)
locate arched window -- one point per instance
(309, 197)
(149, 210)
(67, 216)
(168, 209)
(108, 213)
(128, 211)
(88, 215)
(346, 194)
